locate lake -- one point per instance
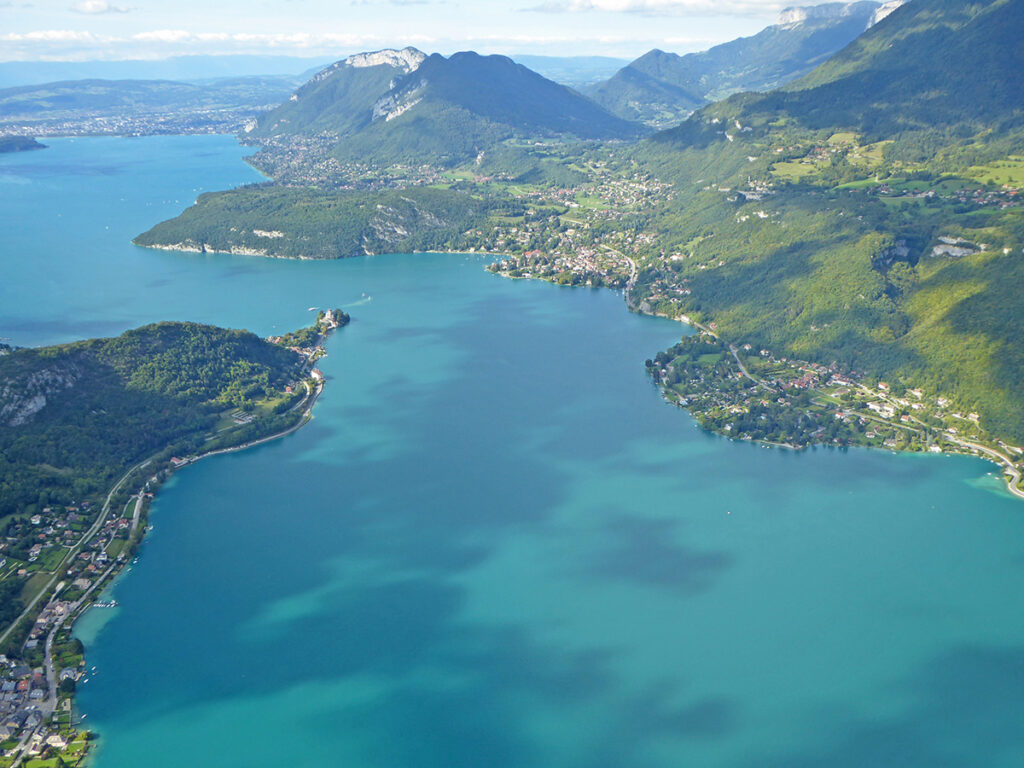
(495, 544)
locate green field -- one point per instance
(1009, 172)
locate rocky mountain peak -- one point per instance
(407, 59)
(884, 10)
(802, 14)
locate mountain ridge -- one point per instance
(391, 106)
(661, 88)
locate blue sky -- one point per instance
(121, 29)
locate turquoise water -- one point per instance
(495, 545)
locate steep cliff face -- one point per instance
(341, 98)
(884, 10)
(824, 12)
(831, 11)
(407, 59)
(22, 397)
(404, 61)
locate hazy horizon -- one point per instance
(98, 30)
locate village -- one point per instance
(133, 123)
(750, 394)
(43, 663)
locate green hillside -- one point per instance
(318, 224)
(854, 216)
(661, 88)
(339, 100)
(941, 69)
(393, 107)
(74, 416)
(19, 144)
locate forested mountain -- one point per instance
(868, 213)
(398, 106)
(19, 144)
(662, 88)
(339, 99)
(320, 224)
(74, 415)
(932, 64)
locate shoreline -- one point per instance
(114, 573)
(240, 251)
(64, 625)
(1011, 473)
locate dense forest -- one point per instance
(19, 144)
(323, 224)
(76, 415)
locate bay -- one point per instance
(495, 544)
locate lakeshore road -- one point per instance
(1011, 468)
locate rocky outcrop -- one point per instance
(394, 104)
(884, 10)
(406, 60)
(793, 16)
(21, 399)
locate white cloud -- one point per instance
(163, 36)
(94, 7)
(663, 7)
(51, 36)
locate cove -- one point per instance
(495, 544)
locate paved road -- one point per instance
(743, 368)
(138, 511)
(309, 402)
(1011, 468)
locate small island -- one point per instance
(89, 432)
(19, 144)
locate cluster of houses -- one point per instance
(26, 541)
(131, 122)
(23, 711)
(22, 691)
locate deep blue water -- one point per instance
(495, 545)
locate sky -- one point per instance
(79, 30)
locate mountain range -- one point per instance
(855, 214)
(405, 106)
(662, 88)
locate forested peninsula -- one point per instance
(88, 432)
(19, 144)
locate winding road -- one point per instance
(1011, 468)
